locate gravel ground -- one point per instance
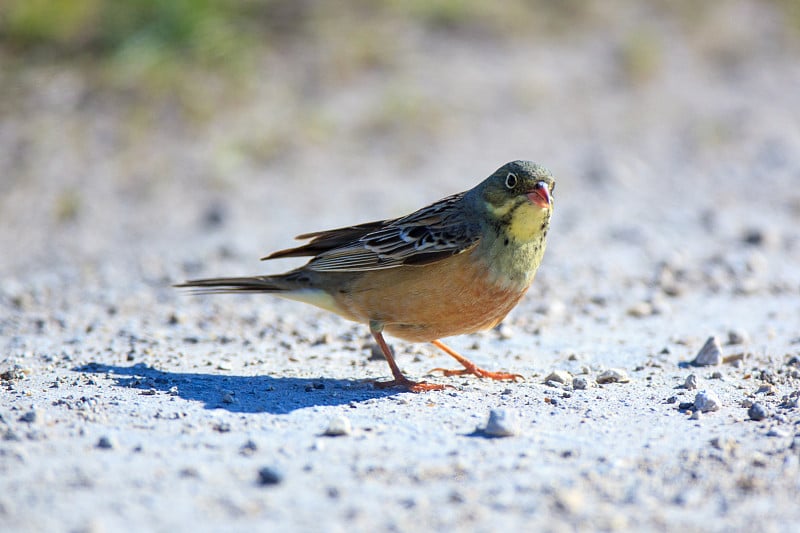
(128, 405)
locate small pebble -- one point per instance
(691, 382)
(30, 417)
(777, 432)
(10, 435)
(790, 402)
(222, 427)
(559, 376)
(759, 237)
(248, 448)
(338, 427)
(214, 215)
(14, 374)
(553, 308)
(189, 472)
(504, 331)
(710, 354)
(736, 359)
(503, 422)
(738, 336)
(706, 401)
(768, 389)
(580, 383)
(571, 501)
(757, 412)
(641, 310)
(106, 443)
(269, 476)
(228, 398)
(613, 375)
(323, 340)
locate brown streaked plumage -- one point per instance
(454, 267)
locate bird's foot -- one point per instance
(411, 386)
(475, 370)
(469, 366)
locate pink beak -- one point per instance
(540, 195)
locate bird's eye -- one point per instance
(511, 180)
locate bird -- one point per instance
(456, 266)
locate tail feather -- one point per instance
(233, 285)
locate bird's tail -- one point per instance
(251, 284)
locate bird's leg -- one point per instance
(399, 379)
(469, 366)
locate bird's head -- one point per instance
(518, 198)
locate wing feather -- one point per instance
(425, 236)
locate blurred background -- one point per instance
(155, 136)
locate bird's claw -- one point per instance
(480, 372)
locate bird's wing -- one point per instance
(425, 236)
(323, 241)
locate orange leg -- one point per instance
(469, 366)
(399, 379)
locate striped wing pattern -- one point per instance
(425, 236)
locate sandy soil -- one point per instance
(127, 405)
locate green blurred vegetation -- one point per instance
(164, 45)
(201, 29)
(207, 30)
(168, 48)
(214, 32)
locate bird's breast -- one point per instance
(458, 295)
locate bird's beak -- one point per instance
(540, 195)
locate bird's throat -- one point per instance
(513, 262)
(527, 223)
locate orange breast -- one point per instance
(419, 304)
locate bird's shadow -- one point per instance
(241, 394)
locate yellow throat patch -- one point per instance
(526, 220)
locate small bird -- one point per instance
(454, 267)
